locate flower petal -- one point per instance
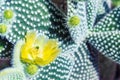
(40, 42)
(50, 52)
(50, 48)
(30, 38)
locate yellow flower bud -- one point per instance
(31, 69)
(74, 21)
(3, 28)
(8, 14)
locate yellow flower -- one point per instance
(39, 50)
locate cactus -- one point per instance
(106, 35)
(101, 35)
(54, 46)
(12, 74)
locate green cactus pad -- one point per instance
(91, 7)
(84, 65)
(72, 63)
(77, 11)
(108, 43)
(35, 15)
(110, 22)
(75, 61)
(12, 74)
(29, 15)
(71, 66)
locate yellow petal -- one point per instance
(30, 38)
(40, 41)
(50, 52)
(42, 62)
(49, 49)
(25, 55)
(34, 52)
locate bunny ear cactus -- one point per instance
(22, 16)
(109, 23)
(78, 28)
(38, 46)
(46, 49)
(40, 53)
(12, 74)
(100, 36)
(76, 17)
(103, 6)
(18, 17)
(92, 9)
(106, 36)
(96, 8)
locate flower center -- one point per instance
(74, 21)
(35, 51)
(8, 14)
(3, 28)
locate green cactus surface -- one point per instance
(54, 44)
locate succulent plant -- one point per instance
(49, 45)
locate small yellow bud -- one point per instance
(8, 14)
(3, 28)
(32, 69)
(74, 21)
